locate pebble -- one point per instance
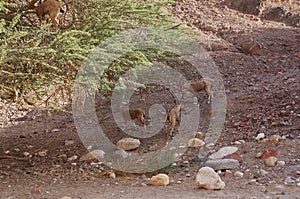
(260, 136)
(280, 163)
(128, 144)
(207, 178)
(96, 154)
(26, 154)
(289, 180)
(66, 197)
(74, 157)
(112, 175)
(222, 152)
(222, 164)
(200, 158)
(199, 135)
(238, 174)
(259, 154)
(274, 139)
(43, 153)
(270, 161)
(160, 180)
(195, 142)
(263, 172)
(298, 184)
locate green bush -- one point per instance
(38, 66)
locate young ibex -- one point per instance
(171, 118)
(198, 86)
(51, 8)
(135, 114)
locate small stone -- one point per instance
(238, 174)
(199, 135)
(43, 153)
(259, 154)
(195, 142)
(222, 152)
(74, 157)
(260, 136)
(274, 139)
(128, 144)
(112, 175)
(263, 172)
(200, 158)
(280, 163)
(289, 180)
(242, 141)
(26, 154)
(222, 164)
(160, 180)
(185, 162)
(54, 130)
(237, 143)
(69, 142)
(96, 154)
(270, 161)
(207, 178)
(298, 184)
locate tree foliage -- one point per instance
(38, 65)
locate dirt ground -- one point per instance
(260, 65)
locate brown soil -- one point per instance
(260, 64)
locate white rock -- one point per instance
(222, 152)
(128, 143)
(270, 161)
(274, 139)
(96, 154)
(207, 178)
(160, 180)
(112, 175)
(260, 136)
(195, 142)
(43, 153)
(298, 184)
(280, 163)
(222, 164)
(26, 154)
(259, 154)
(238, 174)
(199, 135)
(263, 172)
(74, 157)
